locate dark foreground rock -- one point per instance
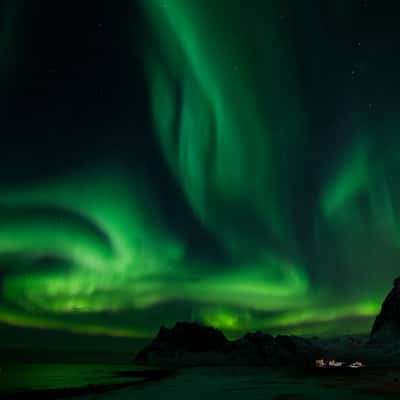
(189, 344)
(386, 328)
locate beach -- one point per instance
(232, 383)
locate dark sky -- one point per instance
(77, 85)
(232, 162)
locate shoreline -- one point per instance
(91, 389)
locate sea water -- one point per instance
(15, 377)
(247, 383)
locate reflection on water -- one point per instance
(21, 377)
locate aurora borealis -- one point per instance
(233, 163)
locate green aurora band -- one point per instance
(92, 251)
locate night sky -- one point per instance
(230, 162)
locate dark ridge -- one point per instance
(190, 344)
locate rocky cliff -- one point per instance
(386, 328)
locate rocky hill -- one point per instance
(188, 344)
